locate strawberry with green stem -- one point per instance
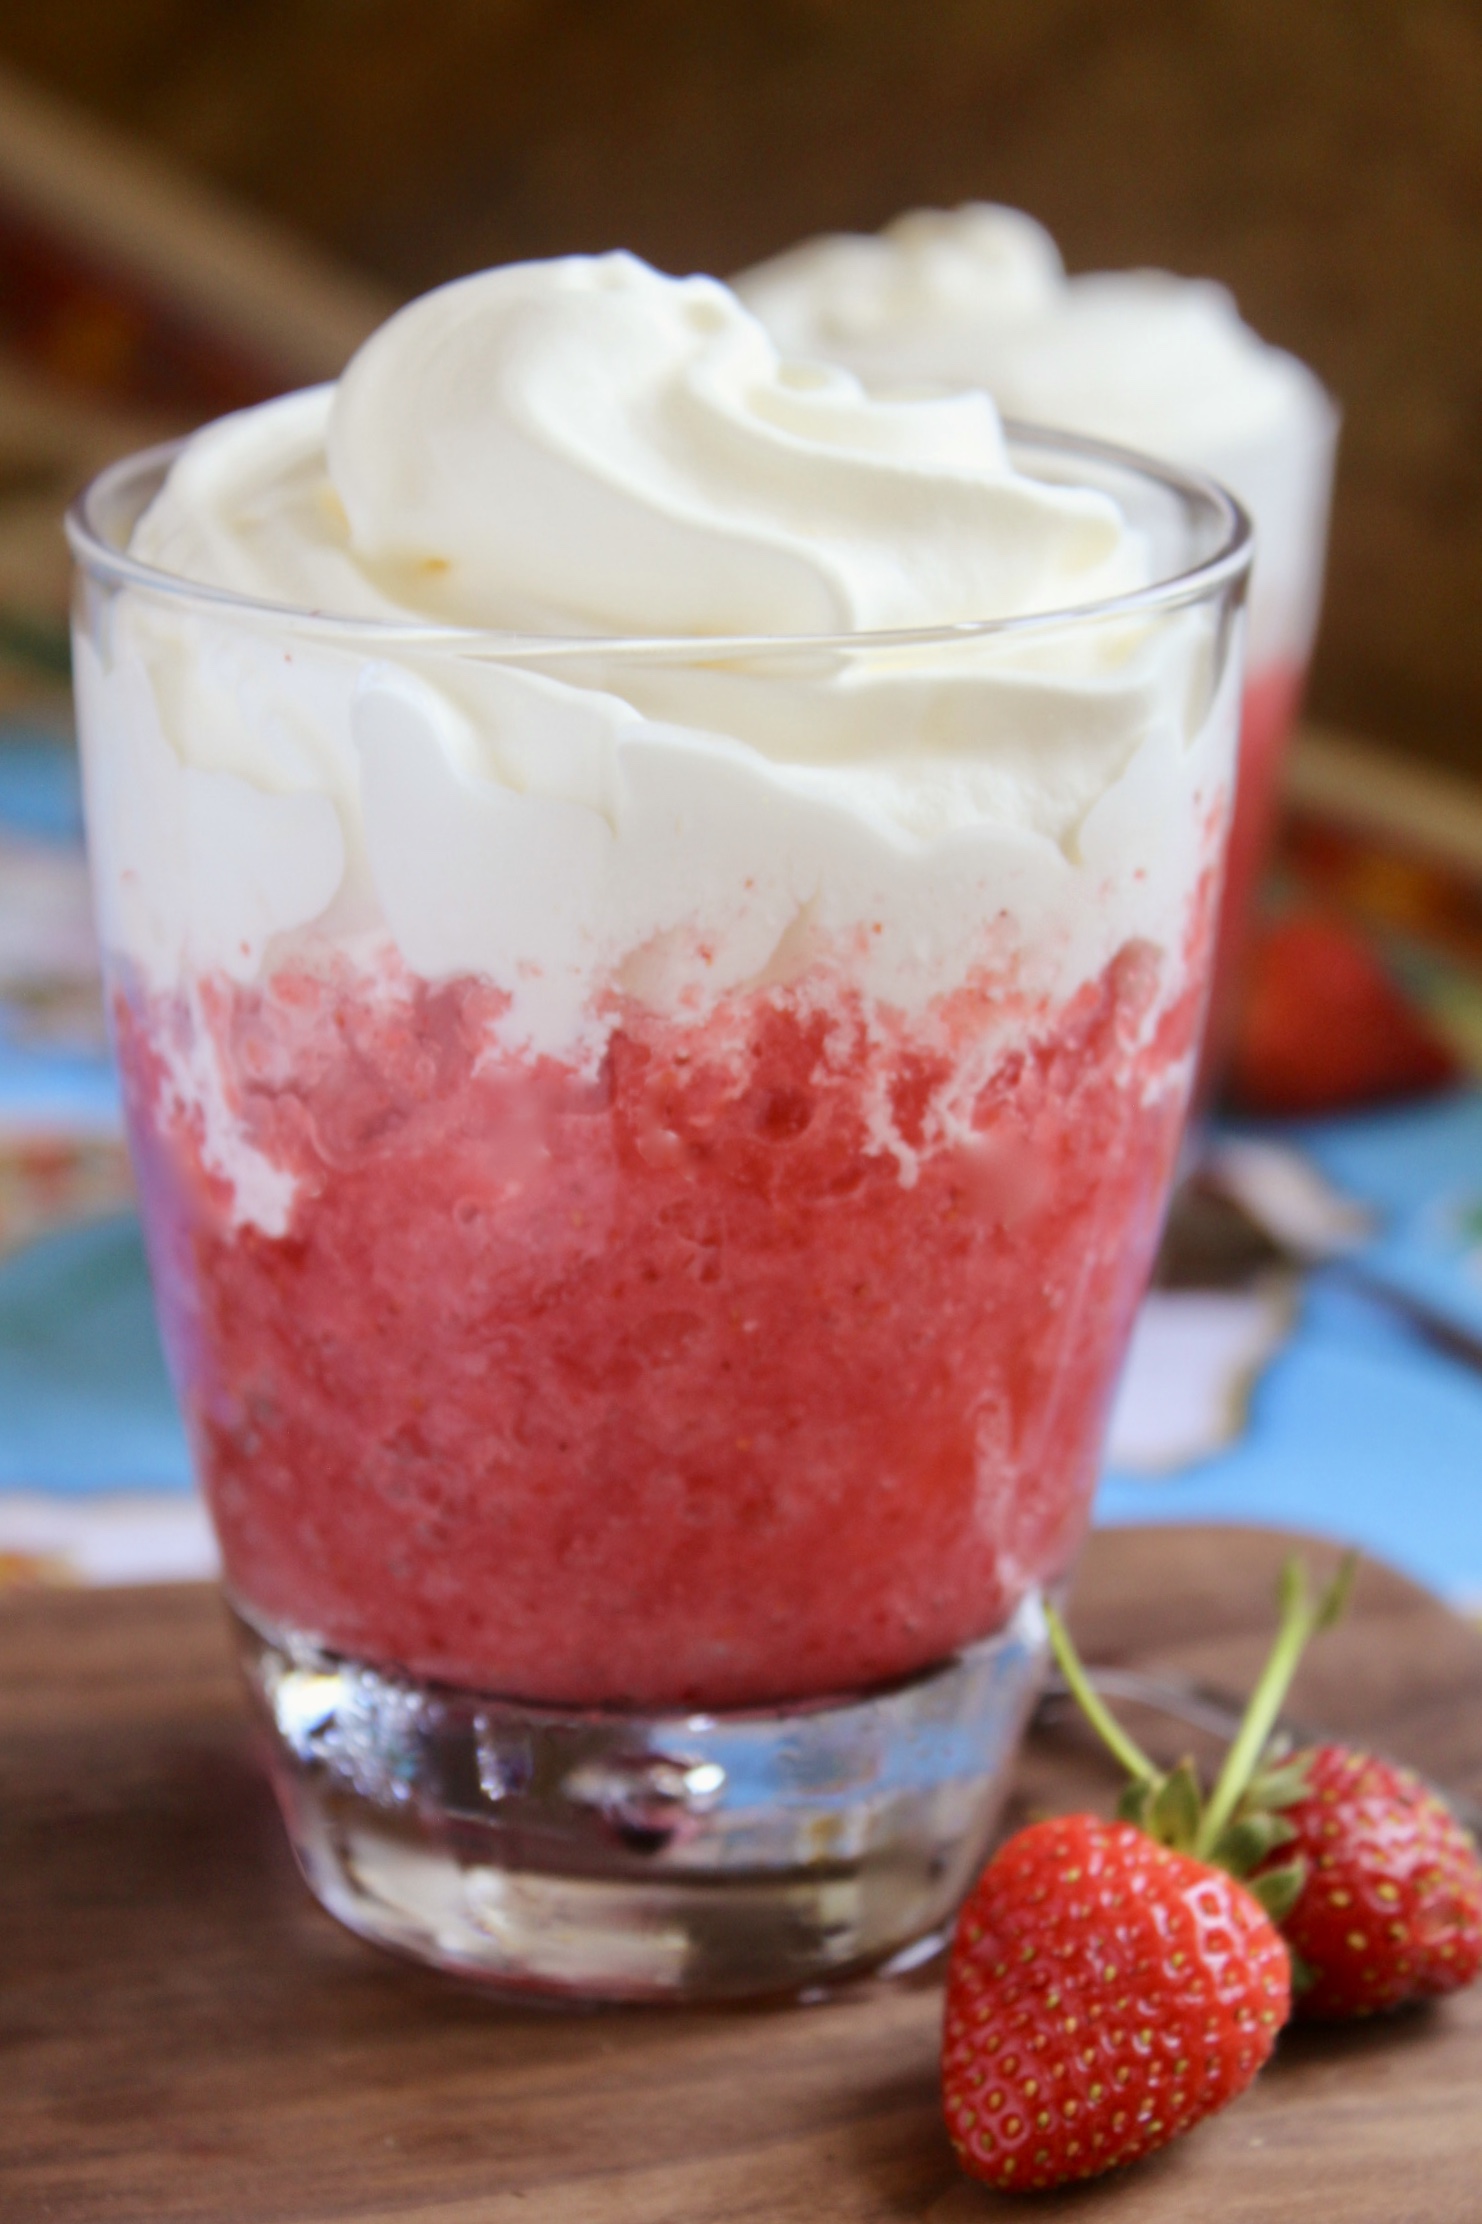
(1113, 1983)
(1376, 1885)
(1243, 1822)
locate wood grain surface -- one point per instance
(183, 2035)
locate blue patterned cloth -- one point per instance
(1359, 1427)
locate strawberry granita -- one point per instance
(771, 1360)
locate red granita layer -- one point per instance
(665, 1386)
(1267, 714)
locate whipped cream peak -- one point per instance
(978, 296)
(586, 447)
(914, 289)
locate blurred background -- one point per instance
(205, 201)
(1324, 160)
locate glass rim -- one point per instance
(98, 558)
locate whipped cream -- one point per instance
(585, 446)
(978, 296)
(572, 451)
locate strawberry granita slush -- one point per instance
(657, 980)
(660, 1384)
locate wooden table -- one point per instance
(183, 2035)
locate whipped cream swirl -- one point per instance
(586, 446)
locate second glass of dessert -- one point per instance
(658, 910)
(979, 296)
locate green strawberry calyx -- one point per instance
(1240, 1823)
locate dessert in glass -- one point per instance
(979, 296)
(657, 911)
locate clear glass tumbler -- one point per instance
(649, 1152)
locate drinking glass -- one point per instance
(645, 1241)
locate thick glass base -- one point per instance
(624, 1856)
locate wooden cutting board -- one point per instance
(183, 2035)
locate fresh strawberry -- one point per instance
(1111, 1983)
(1105, 1993)
(1321, 1025)
(1391, 1909)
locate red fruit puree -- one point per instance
(665, 1386)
